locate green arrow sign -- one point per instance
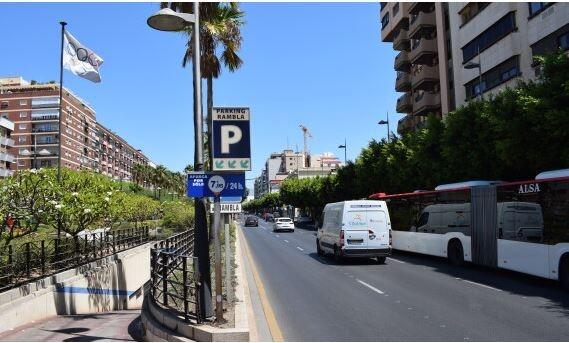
(231, 164)
(219, 164)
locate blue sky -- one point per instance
(322, 65)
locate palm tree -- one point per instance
(220, 27)
(159, 178)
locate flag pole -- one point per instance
(59, 117)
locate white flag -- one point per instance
(80, 60)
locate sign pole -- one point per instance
(217, 248)
(228, 286)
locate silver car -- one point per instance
(283, 224)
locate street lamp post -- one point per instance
(169, 20)
(345, 147)
(386, 122)
(473, 65)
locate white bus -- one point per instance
(520, 226)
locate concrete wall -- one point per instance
(112, 283)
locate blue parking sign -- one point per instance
(231, 143)
(215, 184)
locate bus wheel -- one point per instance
(564, 273)
(455, 253)
(318, 249)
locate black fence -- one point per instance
(20, 264)
(175, 276)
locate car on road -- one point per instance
(269, 217)
(283, 224)
(251, 221)
(357, 228)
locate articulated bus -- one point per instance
(520, 226)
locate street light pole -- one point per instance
(345, 147)
(169, 20)
(386, 122)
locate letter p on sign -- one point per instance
(230, 134)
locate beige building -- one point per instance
(419, 31)
(502, 37)
(441, 45)
(6, 159)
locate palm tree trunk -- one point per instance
(209, 119)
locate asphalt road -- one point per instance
(411, 298)
(117, 326)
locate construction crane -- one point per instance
(306, 133)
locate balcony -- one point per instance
(6, 157)
(53, 117)
(403, 82)
(421, 25)
(416, 7)
(404, 104)
(7, 141)
(45, 129)
(405, 124)
(401, 41)
(402, 62)
(425, 78)
(426, 103)
(45, 103)
(424, 52)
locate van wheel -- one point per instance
(381, 259)
(318, 249)
(337, 256)
(455, 253)
(564, 273)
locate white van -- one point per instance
(357, 228)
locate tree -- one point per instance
(220, 32)
(24, 198)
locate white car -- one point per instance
(283, 224)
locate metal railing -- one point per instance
(175, 277)
(20, 264)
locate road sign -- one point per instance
(215, 184)
(228, 207)
(231, 140)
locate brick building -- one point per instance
(34, 110)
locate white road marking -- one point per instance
(299, 248)
(286, 241)
(369, 286)
(392, 259)
(278, 236)
(479, 284)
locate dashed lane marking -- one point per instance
(479, 284)
(299, 248)
(369, 286)
(396, 260)
(286, 241)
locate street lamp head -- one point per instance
(25, 152)
(382, 122)
(170, 20)
(44, 152)
(471, 65)
(341, 146)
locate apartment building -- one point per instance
(116, 157)
(282, 165)
(420, 32)
(6, 159)
(34, 109)
(502, 38)
(446, 48)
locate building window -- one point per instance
(395, 9)
(564, 41)
(501, 73)
(493, 34)
(382, 5)
(536, 8)
(385, 20)
(22, 126)
(23, 114)
(470, 11)
(22, 139)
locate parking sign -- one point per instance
(231, 141)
